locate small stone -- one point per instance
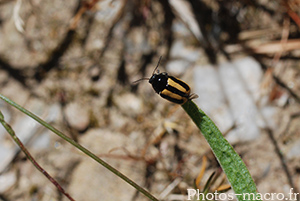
(7, 181)
(77, 116)
(94, 72)
(129, 104)
(177, 67)
(294, 152)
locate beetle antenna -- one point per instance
(140, 80)
(157, 65)
(152, 73)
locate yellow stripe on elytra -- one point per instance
(166, 92)
(176, 85)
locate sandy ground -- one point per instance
(74, 65)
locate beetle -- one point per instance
(169, 87)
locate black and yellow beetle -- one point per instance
(169, 87)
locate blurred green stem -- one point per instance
(84, 150)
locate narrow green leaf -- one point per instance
(231, 163)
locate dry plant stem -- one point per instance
(292, 13)
(201, 173)
(284, 38)
(29, 156)
(84, 150)
(83, 9)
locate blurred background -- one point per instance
(74, 62)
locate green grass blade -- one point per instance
(231, 163)
(84, 150)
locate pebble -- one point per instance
(77, 116)
(129, 104)
(179, 50)
(294, 152)
(94, 72)
(177, 67)
(7, 181)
